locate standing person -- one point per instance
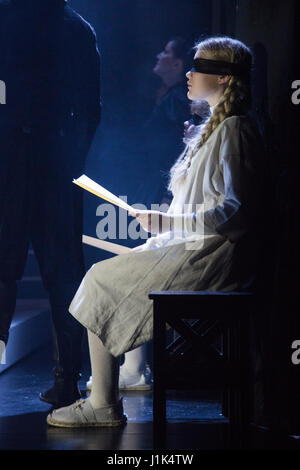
(50, 63)
(209, 239)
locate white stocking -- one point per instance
(135, 361)
(105, 372)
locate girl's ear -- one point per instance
(224, 79)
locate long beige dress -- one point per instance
(214, 245)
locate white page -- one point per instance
(100, 191)
(104, 245)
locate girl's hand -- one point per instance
(153, 221)
(137, 248)
(189, 129)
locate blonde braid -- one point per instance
(229, 105)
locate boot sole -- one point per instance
(57, 404)
(47, 401)
(120, 422)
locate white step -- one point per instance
(31, 328)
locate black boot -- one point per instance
(67, 355)
(64, 392)
(68, 334)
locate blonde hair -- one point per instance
(236, 100)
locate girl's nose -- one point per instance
(188, 74)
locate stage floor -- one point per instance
(194, 418)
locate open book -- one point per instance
(95, 188)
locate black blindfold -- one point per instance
(219, 67)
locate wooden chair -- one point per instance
(216, 313)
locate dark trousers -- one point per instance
(40, 204)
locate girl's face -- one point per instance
(205, 86)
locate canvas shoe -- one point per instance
(141, 381)
(82, 414)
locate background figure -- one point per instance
(51, 66)
(160, 136)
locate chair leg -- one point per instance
(225, 392)
(159, 391)
(233, 393)
(246, 399)
(240, 387)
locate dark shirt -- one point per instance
(50, 64)
(161, 142)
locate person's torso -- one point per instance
(39, 63)
(203, 188)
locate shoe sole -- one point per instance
(119, 422)
(137, 387)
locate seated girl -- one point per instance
(208, 239)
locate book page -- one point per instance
(104, 245)
(95, 188)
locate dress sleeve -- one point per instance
(230, 217)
